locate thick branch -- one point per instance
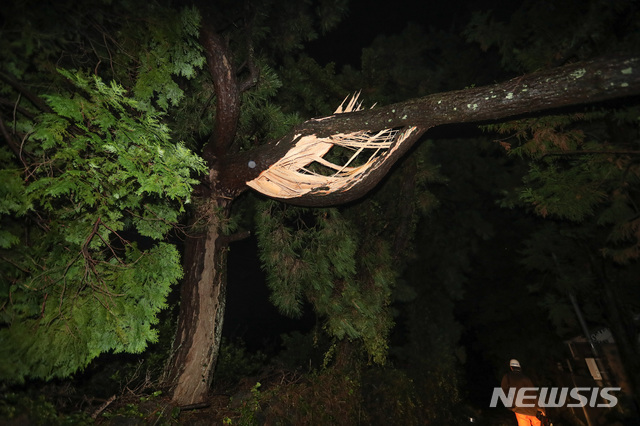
(227, 96)
(581, 83)
(590, 152)
(35, 100)
(17, 108)
(13, 144)
(588, 82)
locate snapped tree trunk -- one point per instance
(202, 305)
(203, 290)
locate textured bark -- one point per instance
(203, 299)
(581, 83)
(197, 338)
(227, 95)
(203, 293)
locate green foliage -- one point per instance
(316, 255)
(297, 22)
(391, 397)
(99, 181)
(173, 50)
(73, 285)
(304, 351)
(582, 179)
(250, 408)
(325, 397)
(417, 62)
(235, 362)
(394, 396)
(551, 252)
(146, 409)
(342, 396)
(21, 409)
(539, 34)
(261, 119)
(312, 90)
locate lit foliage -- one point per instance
(173, 51)
(97, 170)
(100, 171)
(318, 256)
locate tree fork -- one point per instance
(196, 344)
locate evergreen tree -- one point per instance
(98, 181)
(92, 184)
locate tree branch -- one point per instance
(238, 236)
(597, 80)
(589, 152)
(13, 144)
(254, 73)
(17, 108)
(35, 100)
(227, 95)
(252, 79)
(580, 83)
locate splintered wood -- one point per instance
(294, 176)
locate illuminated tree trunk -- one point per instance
(203, 293)
(203, 298)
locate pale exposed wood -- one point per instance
(292, 175)
(201, 314)
(600, 79)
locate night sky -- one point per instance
(366, 20)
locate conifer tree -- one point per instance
(96, 180)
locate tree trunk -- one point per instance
(203, 295)
(203, 298)
(197, 341)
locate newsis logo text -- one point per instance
(555, 397)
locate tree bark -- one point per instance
(197, 340)
(594, 81)
(203, 294)
(227, 95)
(202, 305)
